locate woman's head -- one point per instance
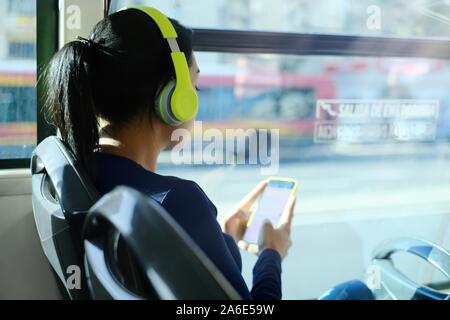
(116, 81)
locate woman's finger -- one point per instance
(247, 202)
(253, 249)
(243, 245)
(236, 215)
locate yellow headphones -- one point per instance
(178, 101)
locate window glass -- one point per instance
(367, 138)
(17, 78)
(398, 18)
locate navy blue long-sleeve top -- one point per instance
(187, 203)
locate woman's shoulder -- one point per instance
(187, 188)
(172, 192)
(188, 195)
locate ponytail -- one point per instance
(69, 102)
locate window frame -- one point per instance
(300, 44)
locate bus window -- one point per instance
(17, 79)
(356, 189)
(366, 137)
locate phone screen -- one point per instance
(271, 206)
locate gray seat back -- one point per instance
(171, 265)
(62, 194)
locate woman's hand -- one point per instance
(235, 223)
(278, 239)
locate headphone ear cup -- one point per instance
(163, 105)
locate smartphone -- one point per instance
(271, 206)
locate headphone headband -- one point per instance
(183, 100)
(164, 24)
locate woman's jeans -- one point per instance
(352, 290)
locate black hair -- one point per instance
(115, 75)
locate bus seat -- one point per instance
(170, 266)
(61, 196)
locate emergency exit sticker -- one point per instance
(376, 120)
(377, 109)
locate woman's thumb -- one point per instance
(266, 228)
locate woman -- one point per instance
(113, 78)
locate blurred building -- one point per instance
(18, 32)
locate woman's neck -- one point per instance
(134, 142)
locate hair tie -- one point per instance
(88, 42)
(94, 45)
